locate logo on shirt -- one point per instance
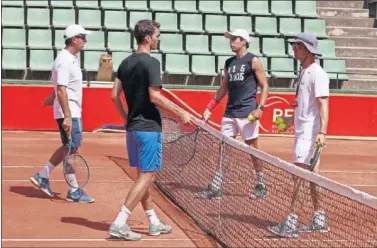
(236, 73)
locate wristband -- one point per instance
(212, 104)
(322, 133)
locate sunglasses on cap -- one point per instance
(81, 36)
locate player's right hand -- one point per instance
(206, 115)
(187, 119)
(67, 126)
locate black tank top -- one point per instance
(242, 87)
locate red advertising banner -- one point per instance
(22, 109)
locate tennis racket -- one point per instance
(75, 168)
(315, 158)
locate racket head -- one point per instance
(76, 164)
(316, 156)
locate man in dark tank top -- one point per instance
(243, 73)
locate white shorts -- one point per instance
(304, 149)
(232, 126)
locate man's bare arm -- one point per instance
(261, 79)
(63, 100)
(159, 100)
(324, 113)
(223, 89)
(116, 98)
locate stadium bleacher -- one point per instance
(191, 42)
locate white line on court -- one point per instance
(91, 181)
(87, 240)
(28, 166)
(318, 240)
(348, 171)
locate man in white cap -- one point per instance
(66, 100)
(243, 73)
(310, 120)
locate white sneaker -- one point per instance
(123, 232)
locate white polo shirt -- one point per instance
(66, 71)
(314, 83)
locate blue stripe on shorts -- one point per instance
(145, 150)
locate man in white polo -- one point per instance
(310, 120)
(67, 99)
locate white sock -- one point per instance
(72, 181)
(122, 216)
(46, 170)
(319, 217)
(217, 180)
(152, 217)
(260, 178)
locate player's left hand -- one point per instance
(321, 139)
(257, 113)
(49, 100)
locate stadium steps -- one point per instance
(341, 4)
(355, 34)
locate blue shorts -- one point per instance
(145, 150)
(76, 132)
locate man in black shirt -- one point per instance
(139, 78)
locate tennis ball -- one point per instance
(250, 117)
(279, 120)
(282, 126)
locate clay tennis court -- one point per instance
(31, 219)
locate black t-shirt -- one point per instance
(137, 73)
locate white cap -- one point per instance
(238, 33)
(73, 30)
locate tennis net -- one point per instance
(203, 160)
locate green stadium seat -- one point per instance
(96, 41)
(191, 23)
(12, 17)
(274, 47)
(327, 48)
(290, 50)
(14, 59)
(61, 18)
(220, 45)
(203, 65)
(158, 56)
(233, 7)
(258, 8)
(264, 61)
(168, 21)
(115, 19)
(115, 5)
(177, 64)
(315, 26)
(89, 18)
(187, 6)
(171, 43)
(306, 9)
(38, 17)
(335, 68)
(119, 41)
(156, 5)
(212, 7)
(118, 57)
(91, 60)
(254, 46)
(290, 27)
(282, 8)
(41, 60)
(17, 3)
(136, 16)
(14, 38)
(266, 26)
(197, 44)
(58, 39)
(36, 3)
(87, 4)
(282, 68)
(61, 3)
(221, 64)
(136, 5)
(216, 24)
(40, 39)
(244, 22)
